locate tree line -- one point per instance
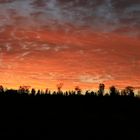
(27, 90)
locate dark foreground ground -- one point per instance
(70, 117)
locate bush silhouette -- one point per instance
(24, 91)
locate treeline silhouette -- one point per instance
(26, 91)
(100, 115)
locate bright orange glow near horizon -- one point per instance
(43, 45)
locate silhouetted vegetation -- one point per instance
(26, 91)
(76, 114)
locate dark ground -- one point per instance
(55, 117)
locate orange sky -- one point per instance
(44, 58)
(79, 44)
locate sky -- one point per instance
(75, 42)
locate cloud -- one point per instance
(95, 79)
(87, 41)
(100, 15)
(8, 47)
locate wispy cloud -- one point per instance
(95, 79)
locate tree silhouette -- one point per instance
(78, 90)
(101, 89)
(39, 92)
(59, 87)
(113, 91)
(33, 91)
(129, 90)
(1, 89)
(24, 89)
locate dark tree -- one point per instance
(1, 89)
(78, 90)
(39, 92)
(24, 89)
(33, 92)
(113, 91)
(47, 91)
(59, 87)
(129, 91)
(101, 89)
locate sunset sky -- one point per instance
(76, 42)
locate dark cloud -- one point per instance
(6, 1)
(100, 15)
(123, 4)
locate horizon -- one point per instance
(106, 90)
